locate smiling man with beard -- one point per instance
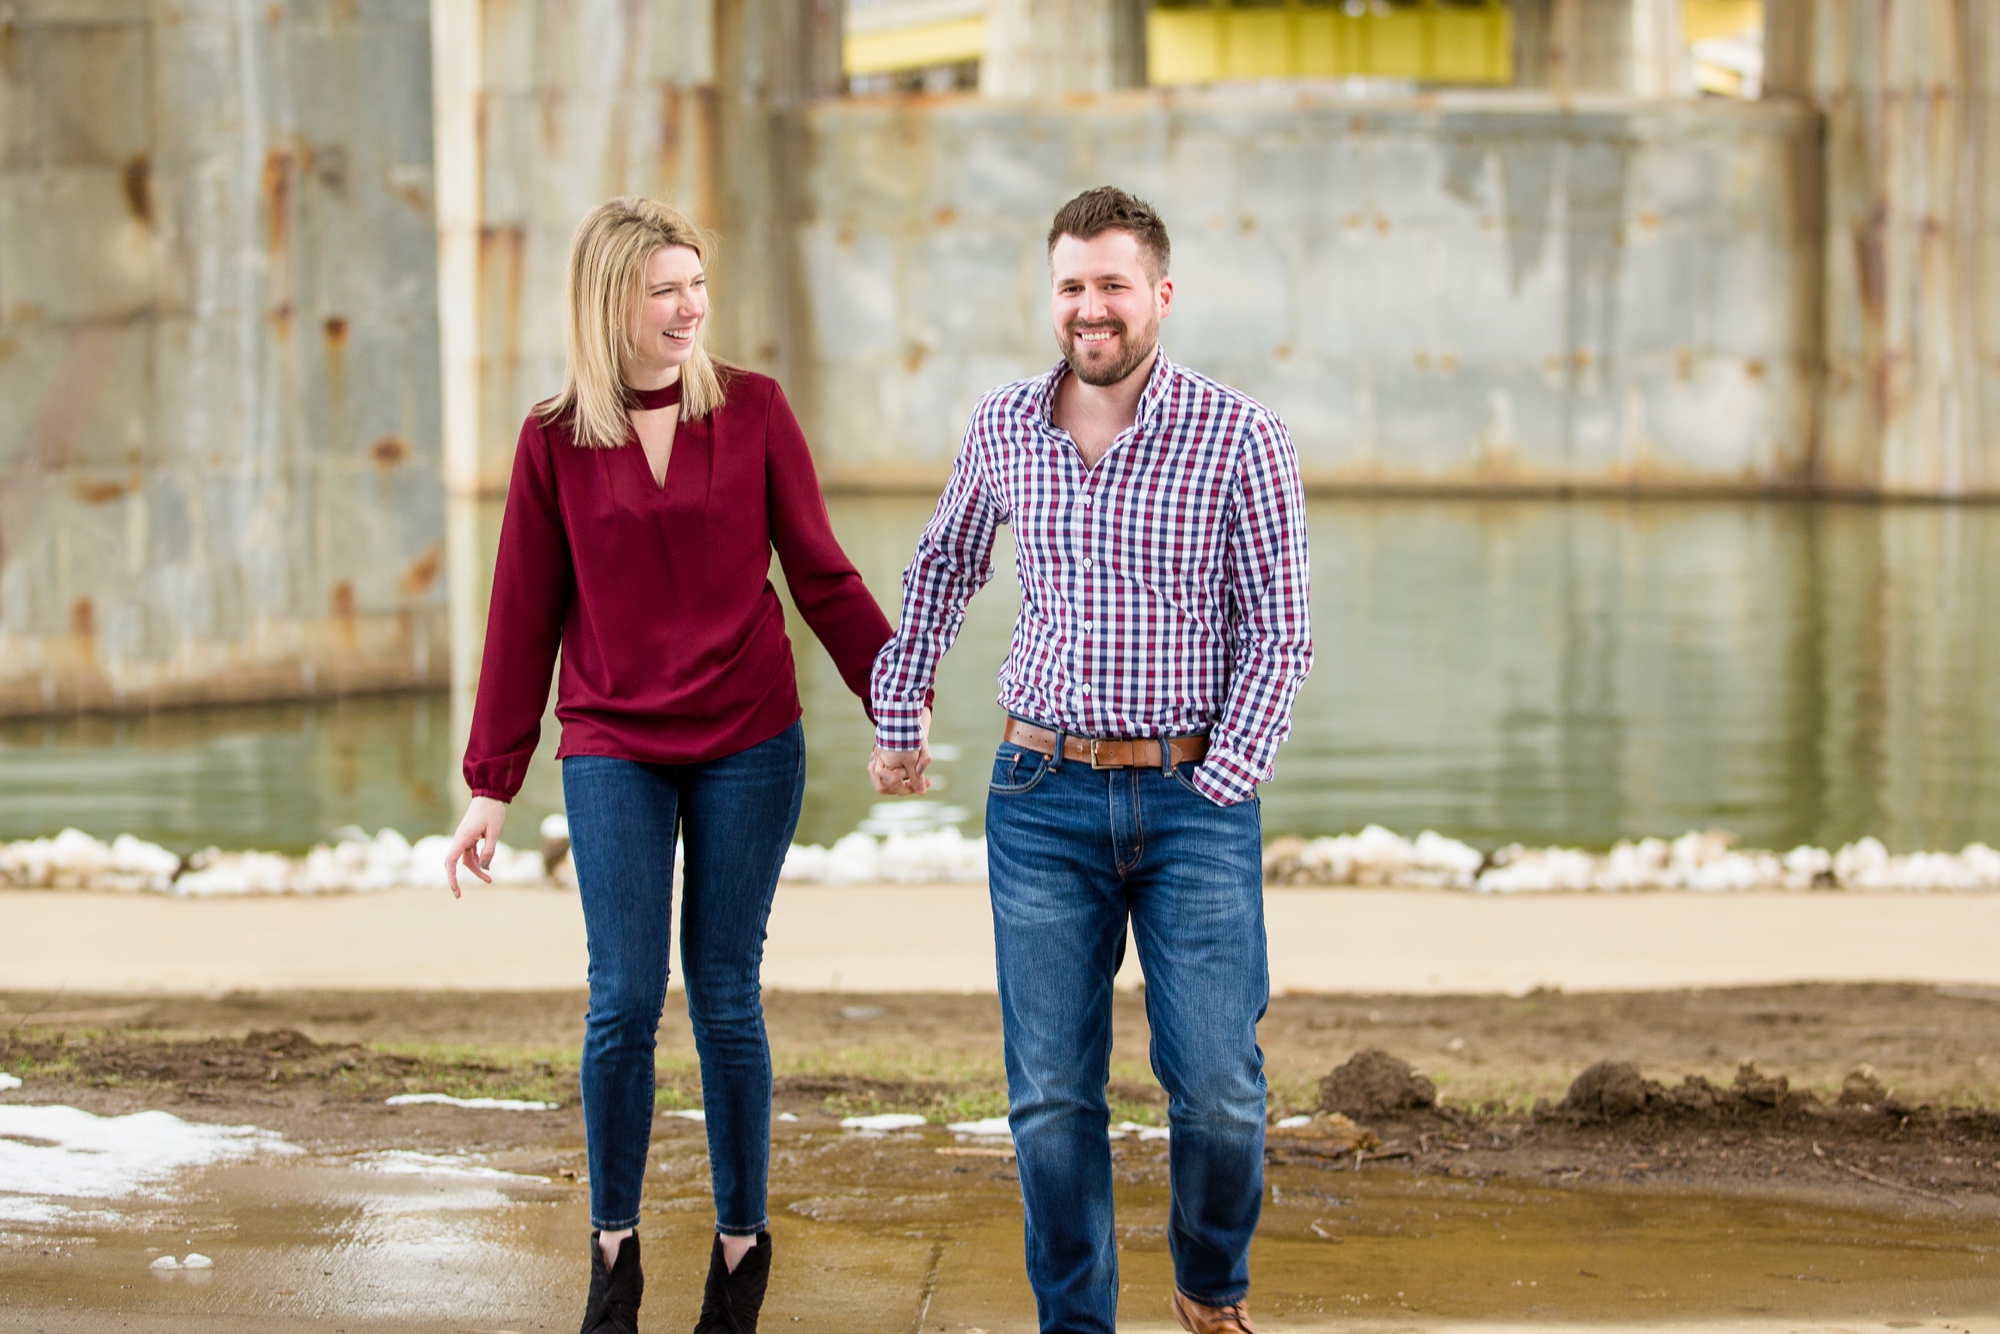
(1161, 547)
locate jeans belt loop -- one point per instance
(1055, 760)
(1166, 757)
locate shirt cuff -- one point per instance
(1223, 780)
(898, 725)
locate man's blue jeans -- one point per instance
(1072, 853)
(735, 816)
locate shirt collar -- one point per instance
(1158, 382)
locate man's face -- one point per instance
(1107, 307)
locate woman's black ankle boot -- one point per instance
(613, 1305)
(731, 1300)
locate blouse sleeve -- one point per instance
(826, 587)
(532, 583)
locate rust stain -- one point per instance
(279, 166)
(1352, 220)
(409, 191)
(99, 493)
(1357, 124)
(1422, 360)
(913, 356)
(389, 451)
(343, 599)
(330, 166)
(1684, 362)
(1382, 223)
(1584, 357)
(1754, 368)
(1448, 362)
(336, 331)
(83, 618)
(281, 320)
(1649, 222)
(506, 249)
(1871, 267)
(138, 183)
(944, 217)
(1246, 224)
(274, 13)
(423, 571)
(1282, 352)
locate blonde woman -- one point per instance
(645, 502)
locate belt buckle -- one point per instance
(1095, 742)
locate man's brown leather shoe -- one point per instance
(1198, 1319)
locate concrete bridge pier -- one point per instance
(1911, 392)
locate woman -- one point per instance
(644, 504)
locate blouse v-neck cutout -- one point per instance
(652, 400)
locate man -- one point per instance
(1162, 637)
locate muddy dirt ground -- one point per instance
(1925, 1135)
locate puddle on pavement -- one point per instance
(889, 1235)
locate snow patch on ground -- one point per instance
(408, 1162)
(884, 1122)
(50, 1154)
(477, 1104)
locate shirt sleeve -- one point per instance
(826, 587)
(954, 559)
(1268, 573)
(533, 580)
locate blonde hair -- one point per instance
(606, 284)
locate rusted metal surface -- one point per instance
(1465, 291)
(218, 444)
(1912, 256)
(544, 109)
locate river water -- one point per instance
(1544, 671)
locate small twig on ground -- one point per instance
(1897, 1185)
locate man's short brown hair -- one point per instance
(1109, 209)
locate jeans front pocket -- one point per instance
(1017, 769)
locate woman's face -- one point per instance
(672, 312)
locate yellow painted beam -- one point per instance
(919, 46)
(1721, 18)
(1425, 44)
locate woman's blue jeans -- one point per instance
(735, 816)
(1073, 854)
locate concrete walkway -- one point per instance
(939, 938)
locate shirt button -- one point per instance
(1086, 500)
(1086, 627)
(1086, 564)
(1086, 690)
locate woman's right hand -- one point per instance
(478, 835)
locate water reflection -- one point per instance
(1546, 671)
(1581, 671)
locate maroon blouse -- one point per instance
(673, 640)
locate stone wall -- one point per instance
(219, 447)
(1488, 291)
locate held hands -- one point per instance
(900, 773)
(478, 835)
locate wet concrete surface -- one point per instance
(921, 1232)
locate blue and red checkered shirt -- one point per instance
(1163, 592)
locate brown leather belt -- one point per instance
(1099, 753)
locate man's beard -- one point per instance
(1109, 372)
